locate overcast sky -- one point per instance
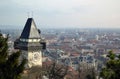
(62, 13)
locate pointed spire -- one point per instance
(30, 30)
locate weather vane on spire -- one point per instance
(32, 13)
(28, 14)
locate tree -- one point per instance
(10, 66)
(112, 69)
(85, 72)
(47, 71)
(35, 72)
(56, 71)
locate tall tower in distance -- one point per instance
(31, 44)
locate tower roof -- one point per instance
(30, 30)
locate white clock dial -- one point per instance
(36, 56)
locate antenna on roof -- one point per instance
(32, 13)
(28, 14)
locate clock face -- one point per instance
(36, 56)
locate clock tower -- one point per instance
(31, 44)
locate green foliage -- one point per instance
(10, 66)
(3, 49)
(112, 69)
(111, 55)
